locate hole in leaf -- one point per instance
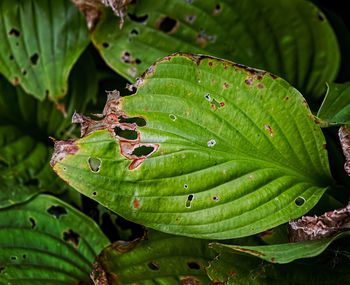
(94, 193)
(185, 186)
(137, 61)
(32, 222)
(211, 143)
(167, 25)
(134, 32)
(189, 200)
(299, 201)
(143, 151)
(139, 121)
(140, 19)
(34, 58)
(217, 9)
(24, 72)
(12, 57)
(57, 211)
(216, 198)
(154, 266)
(190, 18)
(47, 92)
(2, 268)
(126, 134)
(105, 45)
(24, 256)
(14, 32)
(193, 265)
(71, 236)
(94, 164)
(172, 116)
(13, 257)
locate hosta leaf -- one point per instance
(158, 259)
(282, 253)
(290, 38)
(234, 268)
(335, 108)
(25, 127)
(46, 241)
(40, 42)
(227, 151)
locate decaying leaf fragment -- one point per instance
(92, 9)
(344, 136)
(112, 113)
(312, 228)
(118, 7)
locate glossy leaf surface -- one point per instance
(282, 253)
(158, 259)
(290, 38)
(46, 241)
(40, 42)
(335, 108)
(236, 151)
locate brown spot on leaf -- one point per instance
(272, 259)
(267, 127)
(92, 10)
(211, 63)
(252, 251)
(190, 280)
(136, 203)
(287, 98)
(260, 86)
(225, 85)
(249, 81)
(15, 81)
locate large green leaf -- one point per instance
(291, 38)
(234, 268)
(232, 151)
(282, 253)
(157, 259)
(25, 127)
(46, 241)
(335, 108)
(40, 42)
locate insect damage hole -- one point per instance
(153, 265)
(167, 25)
(71, 236)
(139, 19)
(189, 200)
(94, 164)
(14, 32)
(34, 59)
(57, 211)
(143, 151)
(32, 222)
(194, 265)
(299, 201)
(172, 117)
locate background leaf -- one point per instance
(40, 42)
(290, 38)
(158, 259)
(46, 241)
(335, 108)
(239, 152)
(282, 253)
(25, 127)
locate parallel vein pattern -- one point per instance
(239, 152)
(40, 42)
(47, 241)
(292, 39)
